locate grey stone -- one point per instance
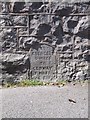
(42, 63)
(17, 6)
(20, 20)
(79, 75)
(82, 27)
(43, 29)
(49, 47)
(69, 24)
(63, 11)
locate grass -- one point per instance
(27, 83)
(30, 83)
(23, 83)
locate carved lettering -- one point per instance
(43, 63)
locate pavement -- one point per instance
(70, 101)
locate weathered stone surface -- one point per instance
(20, 21)
(45, 47)
(9, 40)
(17, 6)
(42, 63)
(14, 66)
(82, 27)
(70, 24)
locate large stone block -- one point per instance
(42, 63)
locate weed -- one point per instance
(26, 83)
(30, 83)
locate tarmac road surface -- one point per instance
(45, 102)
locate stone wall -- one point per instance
(44, 41)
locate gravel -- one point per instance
(45, 102)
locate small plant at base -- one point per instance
(63, 82)
(30, 83)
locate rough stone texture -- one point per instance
(45, 47)
(43, 64)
